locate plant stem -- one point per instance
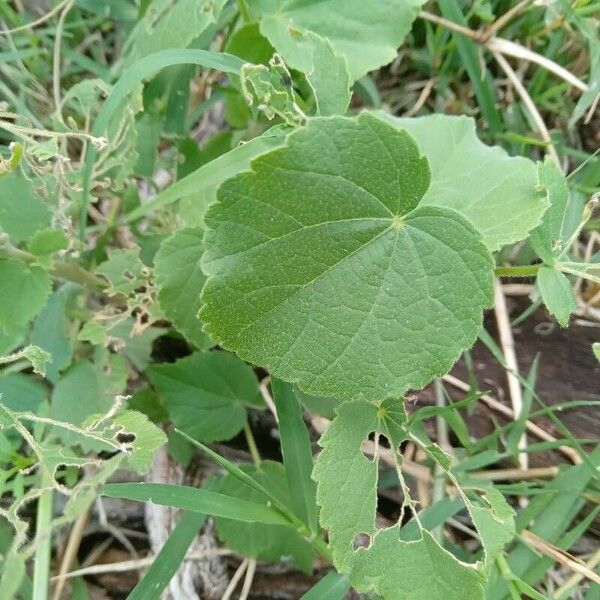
(69, 271)
(43, 539)
(519, 271)
(252, 445)
(244, 11)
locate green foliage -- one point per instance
(24, 290)
(270, 543)
(180, 280)
(380, 273)
(476, 180)
(551, 238)
(22, 213)
(346, 492)
(171, 24)
(557, 294)
(222, 159)
(206, 394)
(270, 88)
(367, 36)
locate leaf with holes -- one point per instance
(479, 181)
(325, 267)
(124, 271)
(347, 494)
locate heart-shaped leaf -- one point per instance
(324, 267)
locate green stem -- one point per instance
(244, 11)
(252, 445)
(507, 576)
(519, 271)
(69, 271)
(43, 539)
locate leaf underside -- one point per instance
(324, 266)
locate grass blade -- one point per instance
(297, 455)
(165, 565)
(469, 54)
(197, 500)
(332, 587)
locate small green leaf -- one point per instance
(366, 32)
(24, 291)
(549, 239)
(180, 280)
(557, 293)
(206, 394)
(38, 358)
(124, 271)
(271, 89)
(22, 213)
(479, 181)
(328, 77)
(144, 438)
(265, 542)
(324, 267)
(46, 242)
(327, 74)
(94, 333)
(596, 350)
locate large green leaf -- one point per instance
(265, 542)
(324, 267)
(206, 394)
(347, 493)
(180, 280)
(23, 290)
(367, 32)
(479, 181)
